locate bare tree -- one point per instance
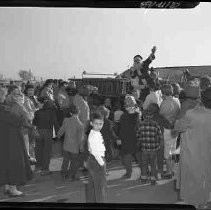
(25, 75)
(1, 76)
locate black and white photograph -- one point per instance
(106, 105)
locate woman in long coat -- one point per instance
(127, 134)
(195, 155)
(15, 169)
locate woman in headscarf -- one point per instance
(195, 155)
(17, 107)
(14, 163)
(127, 133)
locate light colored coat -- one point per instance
(170, 108)
(153, 97)
(84, 111)
(74, 134)
(195, 155)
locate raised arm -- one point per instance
(150, 58)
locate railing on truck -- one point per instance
(106, 86)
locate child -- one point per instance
(163, 124)
(108, 134)
(96, 161)
(45, 120)
(149, 137)
(74, 132)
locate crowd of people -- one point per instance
(156, 125)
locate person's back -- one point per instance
(45, 118)
(170, 108)
(158, 118)
(170, 105)
(73, 129)
(195, 156)
(149, 134)
(83, 106)
(153, 97)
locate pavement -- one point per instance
(51, 188)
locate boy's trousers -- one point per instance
(160, 157)
(43, 148)
(73, 159)
(148, 157)
(96, 188)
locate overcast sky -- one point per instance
(63, 42)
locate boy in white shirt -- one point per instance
(96, 161)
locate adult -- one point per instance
(17, 107)
(205, 82)
(63, 101)
(12, 91)
(176, 89)
(14, 162)
(140, 76)
(191, 98)
(81, 102)
(195, 156)
(109, 105)
(30, 101)
(170, 106)
(154, 96)
(127, 134)
(31, 106)
(47, 90)
(169, 109)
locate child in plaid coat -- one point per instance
(149, 138)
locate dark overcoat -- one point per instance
(14, 163)
(127, 133)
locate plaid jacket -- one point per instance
(149, 135)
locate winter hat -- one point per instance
(130, 101)
(192, 90)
